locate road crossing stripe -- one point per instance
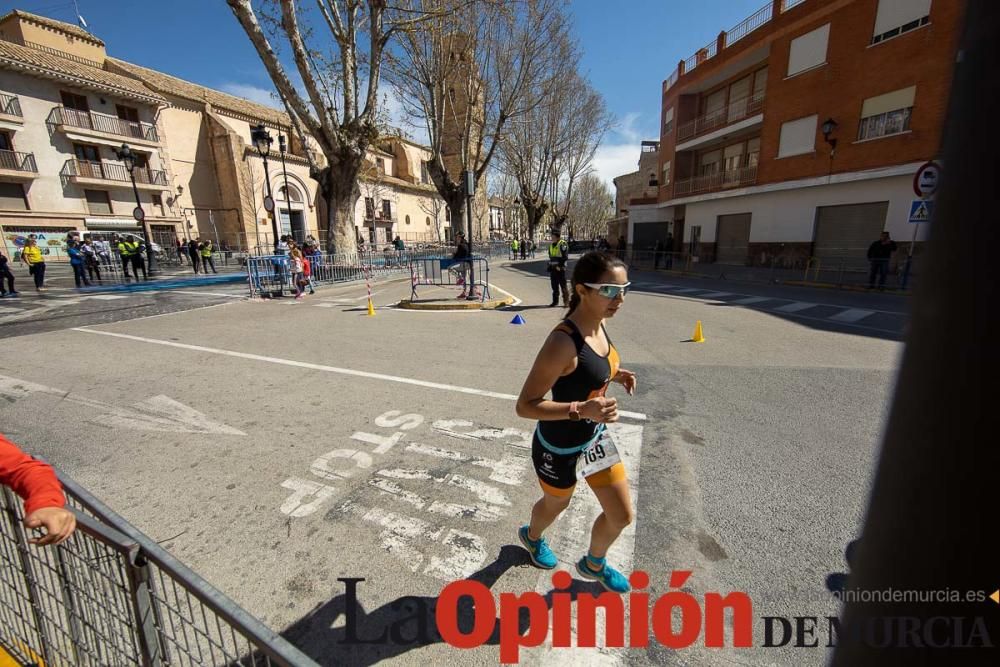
(327, 369)
(687, 290)
(794, 307)
(751, 299)
(716, 295)
(10, 311)
(851, 315)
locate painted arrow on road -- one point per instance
(159, 413)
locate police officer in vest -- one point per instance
(558, 254)
(131, 250)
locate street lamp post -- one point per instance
(262, 142)
(127, 157)
(284, 172)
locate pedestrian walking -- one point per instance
(6, 276)
(558, 255)
(192, 248)
(37, 484)
(77, 262)
(879, 254)
(205, 249)
(298, 270)
(576, 364)
(31, 255)
(307, 272)
(461, 265)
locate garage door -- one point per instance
(731, 239)
(843, 233)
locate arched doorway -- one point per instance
(291, 211)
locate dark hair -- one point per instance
(589, 269)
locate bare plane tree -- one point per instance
(555, 145)
(470, 71)
(591, 207)
(335, 112)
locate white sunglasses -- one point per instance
(609, 291)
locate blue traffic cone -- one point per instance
(517, 319)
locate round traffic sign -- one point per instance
(138, 213)
(925, 182)
(268, 204)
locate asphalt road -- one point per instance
(278, 446)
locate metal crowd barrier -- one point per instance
(271, 276)
(111, 596)
(448, 272)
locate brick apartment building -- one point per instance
(746, 173)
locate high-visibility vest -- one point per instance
(206, 250)
(127, 249)
(557, 250)
(513, 244)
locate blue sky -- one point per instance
(629, 48)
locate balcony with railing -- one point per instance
(11, 106)
(380, 217)
(737, 110)
(109, 174)
(720, 180)
(97, 126)
(18, 166)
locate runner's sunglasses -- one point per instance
(609, 291)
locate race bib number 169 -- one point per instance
(600, 455)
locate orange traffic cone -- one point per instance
(698, 336)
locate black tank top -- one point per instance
(588, 380)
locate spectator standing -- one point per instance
(90, 260)
(657, 253)
(206, 256)
(103, 250)
(6, 275)
(879, 254)
(37, 484)
(181, 251)
(77, 261)
(307, 273)
(32, 256)
(668, 260)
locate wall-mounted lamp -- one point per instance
(829, 125)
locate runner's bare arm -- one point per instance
(554, 360)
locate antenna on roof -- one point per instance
(79, 17)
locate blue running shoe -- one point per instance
(607, 576)
(538, 550)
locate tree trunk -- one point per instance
(341, 196)
(456, 205)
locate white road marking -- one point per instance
(159, 413)
(687, 290)
(794, 307)
(851, 315)
(9, 311)
(715, 295)
(751, 299)
(105, 297)
(326, 369)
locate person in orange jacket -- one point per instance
(36, 483)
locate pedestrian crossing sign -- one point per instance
(921, 211)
